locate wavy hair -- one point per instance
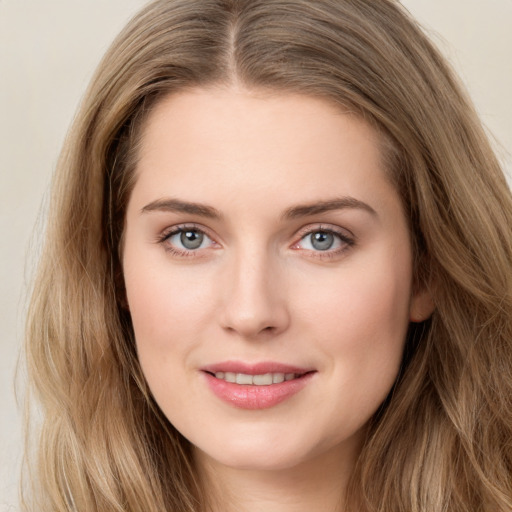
(443, 438)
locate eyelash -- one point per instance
(346, 241)
(183, 228)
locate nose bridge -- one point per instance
(255, 293)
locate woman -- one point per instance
(277, 273)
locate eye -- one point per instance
(321, 240)
(183, 240)
(190, 239)
(324, 240)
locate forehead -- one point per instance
(218, 142)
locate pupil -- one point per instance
(322, 240)
(191, 239)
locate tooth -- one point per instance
(262, 380)
(258, 380)
(243, 378)
(277, 378)
(230, 377)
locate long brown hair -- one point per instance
(443, 438)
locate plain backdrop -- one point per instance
(48, 51)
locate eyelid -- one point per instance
(346, 237)
(344, 233)
(170, 231)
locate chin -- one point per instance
(251, 454)
(257, 460)
(274, 453)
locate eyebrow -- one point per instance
(315, 208)
(303, 210)
(175, 205)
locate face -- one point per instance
(267, 264)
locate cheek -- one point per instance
(170, 310)
(156, 309)
(372, 298)
(379, 305)
(359, 318)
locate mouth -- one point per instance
(262, 379)
(256, 386)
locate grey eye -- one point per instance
(322, 240)
(191, 239)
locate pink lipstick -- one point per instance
(255, 386)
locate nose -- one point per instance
(255, 304)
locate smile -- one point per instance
(265, 379)
(256, 386)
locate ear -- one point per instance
(422, 306)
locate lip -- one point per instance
(254, 368)
(255, 397)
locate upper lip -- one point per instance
(254, 368)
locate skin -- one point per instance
(257, 289)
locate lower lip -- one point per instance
(256, 397)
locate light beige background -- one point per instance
(48, 50)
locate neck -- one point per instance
(318, 484)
